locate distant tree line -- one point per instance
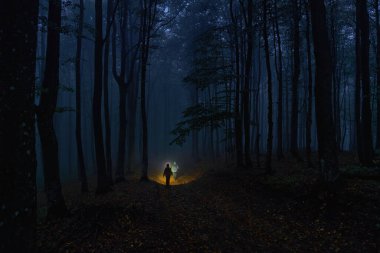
(272, 82)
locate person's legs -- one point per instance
(167, 181)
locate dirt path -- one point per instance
(212, 214)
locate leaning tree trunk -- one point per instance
(366, 119)
(102, 182)
(270, 102)
(78, 112)
(17, 136)
(45, 113)
(323, 95)
(295, 79)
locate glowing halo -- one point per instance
(179, 176)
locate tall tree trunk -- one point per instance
(106, 110)
(323, 97)
(358, 139)
(148, 19)
(122, 132)
(45, 113)
(247, 78)
(295, 79)
(132, 106)
(143, 113)
(377, 73)
(211, 149)
(280, 154)
(366, 124)
(336, 85)
(102, 182)
(270, 102)
(78, 112)
(310, 92)
(120, 79)
(257, 108)
(238, 123)
(17, 136)
(195, 133)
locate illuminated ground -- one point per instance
(184, 173)
(183, 178)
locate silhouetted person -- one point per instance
(167, 173)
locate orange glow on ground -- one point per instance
(182, 179)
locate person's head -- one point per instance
(167, 165)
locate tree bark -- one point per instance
(237, 123)
(366, 124)
(102, 182)
(295, 79)
(310, 92)
(45, 113)
(148, 19)
(120, 79)
(377, 73)
(106, 110)
(122, 132)
(78, 112)
(358, 139)
(329, 170)
(268, 165)
(132, 106)
(336, 84)
(17, 136)
(279, 69)
(247, 77)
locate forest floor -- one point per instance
(222, 211)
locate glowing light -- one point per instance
(179, 177)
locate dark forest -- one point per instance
(190, 126)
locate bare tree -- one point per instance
(120, 79)
(107, 123)
(148, 20)
(78, 112)
(377, 72)
(323, 94)
(270, 102)
(102, 181)
(279, 74)
(295, 79)
(310, 91)
(237, 123)
(366, 114)
(45, 113)
(247, 79)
